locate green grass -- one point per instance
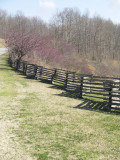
(50, 128)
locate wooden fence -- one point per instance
(98, 88)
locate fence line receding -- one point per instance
(106, 89)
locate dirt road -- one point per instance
(10, 147)
(3, 50)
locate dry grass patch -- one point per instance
(2, 43)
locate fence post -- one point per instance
(54, 74)
(108, 84)
(35, 70)
(17, 64)
(66, 80)
(73, 77)
(110, 95)
(10, 61)
(81, 88)
(41, 70)
(23, 67)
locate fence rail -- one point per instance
(106, 89)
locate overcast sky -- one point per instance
(108, 9)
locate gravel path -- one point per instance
(3, 50)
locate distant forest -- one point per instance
(71, 41)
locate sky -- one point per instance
(45, 9)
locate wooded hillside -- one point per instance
(71, 40)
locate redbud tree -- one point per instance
(20, 42)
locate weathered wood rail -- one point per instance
(106, 89)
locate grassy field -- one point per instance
(39, 122)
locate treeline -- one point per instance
(19, 21)
(94, 39)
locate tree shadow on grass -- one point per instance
(60, 87)
(90, 105)
(5, 69)
(69, 94)
(93, 106)
(96, 106)
(5, 66)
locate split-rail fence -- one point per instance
(106, 89)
